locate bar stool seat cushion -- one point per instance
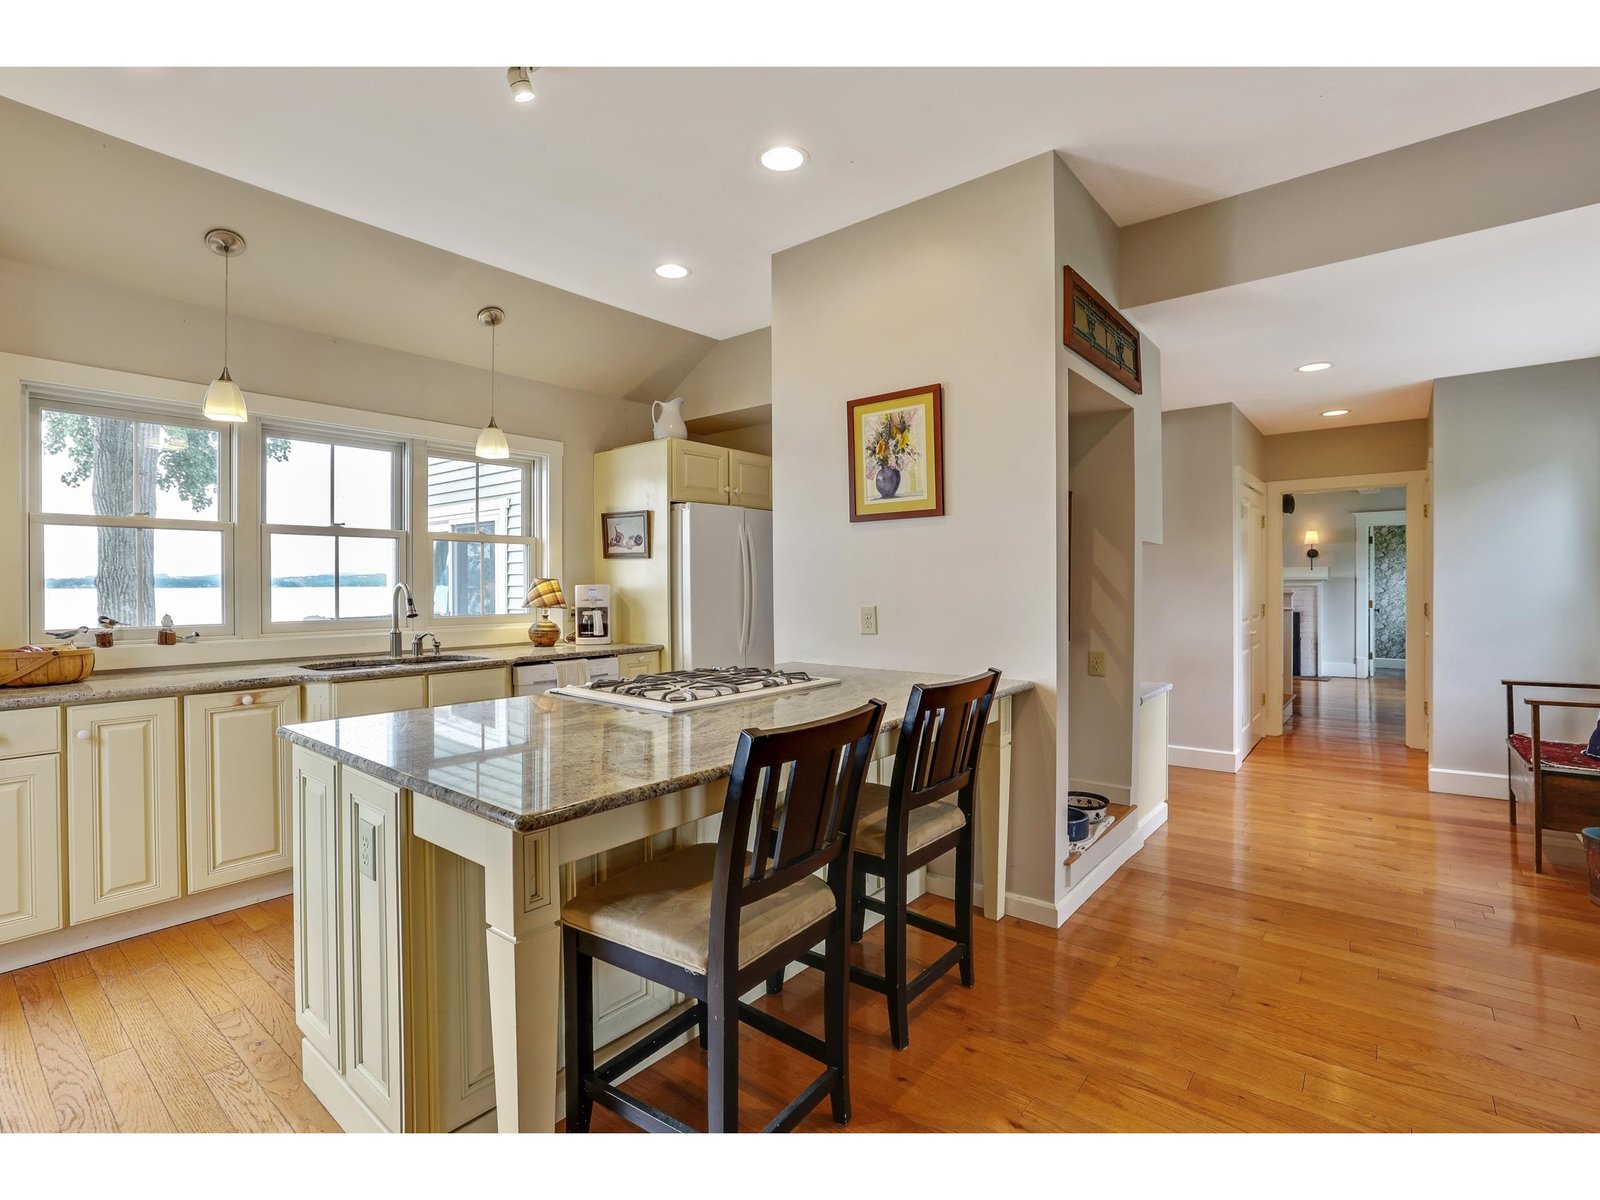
(663, 908)
(927, 824)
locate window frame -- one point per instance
(535, 516)
(39, 400)
(400, 510)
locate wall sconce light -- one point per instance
(1312, 538)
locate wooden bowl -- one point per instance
(28, 667)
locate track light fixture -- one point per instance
(521, 83)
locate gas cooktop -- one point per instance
(683, 691)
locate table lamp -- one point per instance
(544, 595)
(1312, 538)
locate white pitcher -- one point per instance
(668, 419)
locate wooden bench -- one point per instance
(1557, 778)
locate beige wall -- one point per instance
(757, 439)
(1516, 495)
(1347, 450)
(734, 377)
(1186, 624)
(55, 315)
(958, 289)
(1249, 447)
(1418, 193)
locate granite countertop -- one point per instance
(227, 677)
(536, 761)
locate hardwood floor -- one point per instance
(188, 1030)
(1317, 943)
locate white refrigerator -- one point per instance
(722, 586)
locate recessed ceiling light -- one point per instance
(672, 271)
(1315, 366)
(783, 158)
(521, 84)
(1337, 412)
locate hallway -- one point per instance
(1350, 712)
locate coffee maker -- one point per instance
(591, 607)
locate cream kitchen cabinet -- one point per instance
(318, 946)
(124, 841)
(236, 784)
(30, 845)
(749, 479)
(361, 697)
(464, 687)
(696, 473)
(646, 662)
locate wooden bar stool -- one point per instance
(912, 822)
(712, 921)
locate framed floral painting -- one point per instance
(897, 455)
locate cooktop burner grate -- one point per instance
(683, 687)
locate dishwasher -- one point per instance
(535, 679)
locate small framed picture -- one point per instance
(625, 534)
(897, 455)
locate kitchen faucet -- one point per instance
(400, 589)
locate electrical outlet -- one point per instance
(368, 850)
(869, 620)
(1097, 663)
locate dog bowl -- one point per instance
(1092, 803)
(1077, 823)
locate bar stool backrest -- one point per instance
(798, 788)
(940, 741)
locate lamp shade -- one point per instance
(224, 400)
(546, 593)
(1312, 537)
(491, 442)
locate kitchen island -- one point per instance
(432, 852)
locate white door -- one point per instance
(758, 651)
(1252, 686)
(709, 568)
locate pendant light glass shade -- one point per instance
(224, 400)
(491, 442)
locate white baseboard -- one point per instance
(1388, 664)
(1491, 785)
(1338, 670)
(1203, 759)
(104, 931)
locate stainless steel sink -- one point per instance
(383, 660)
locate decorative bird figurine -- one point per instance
(67, 635)
(109, 622)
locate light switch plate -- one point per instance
(1097, 663)
(869, 620)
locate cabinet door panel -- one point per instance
(371, 877)
(750, 476)
(122, 807)
(457, 988)
(237, 785)
(362, 697)
(646, 662)
(699, 474)
(30, 846)
(464, 687)
(318, 955)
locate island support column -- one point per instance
(524, 951)
(994, 807)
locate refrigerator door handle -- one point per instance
(744, 589)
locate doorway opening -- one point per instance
(1345, 612)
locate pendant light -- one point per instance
(491, 442)
(224, 400)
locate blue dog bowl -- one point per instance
(1077, 823)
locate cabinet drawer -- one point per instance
(646, 662)
(29, 731)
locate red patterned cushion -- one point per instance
(1555, 756)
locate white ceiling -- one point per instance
(611, 171)
(1390, 323)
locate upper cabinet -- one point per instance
(701, 474)
(749, 479)
(697, 474)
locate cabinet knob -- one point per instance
(82, 735)
(247, 700)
